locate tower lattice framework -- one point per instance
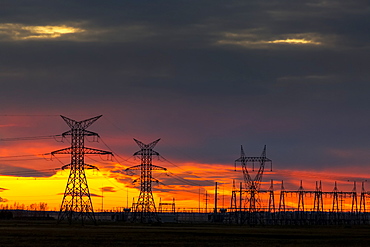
(144, 209)
(252, 185)
(76, 203)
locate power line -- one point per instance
(178, 166)
(115, 154)
(113, 124)
(183, 179)
(110, 181)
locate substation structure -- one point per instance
(253, 206)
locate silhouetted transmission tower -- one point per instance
(252, 186)
(76, 204)
(145, 210)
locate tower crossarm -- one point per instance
(300, 191)
(66, 166)
(86, 166)
(81, 124)
(292, 191)
(154, 167)
(309, 192)
(83, 132)
(85, 150)
(138, 167)
(96, 151)
(257, 159)
(345, 194)
(146, 152)
(62, 151)
(147, 146)
(327, 193)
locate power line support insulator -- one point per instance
(76, 203)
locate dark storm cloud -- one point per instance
(3, 199)
(9, 170)
(95, 195)
(108, 189)
(206, 76)
(179, 179)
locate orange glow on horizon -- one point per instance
(29, 177)
(118, 194)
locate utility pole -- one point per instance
(126, 198)
(145, 210)
(102, 199)
(240, 203)
(282, 198)
(206, 201)
(199, 200)
(215, 209)
(76, 203)
(301, 198)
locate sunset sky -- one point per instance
(204, 76)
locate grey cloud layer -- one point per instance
(208, 72)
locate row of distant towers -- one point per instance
(76, 204)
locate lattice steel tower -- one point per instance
(144, 209)
(252, 186)
(76, 203)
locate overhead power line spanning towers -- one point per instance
(76, 203)
(144, 209)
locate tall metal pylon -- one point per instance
(76, 204)
(252, 186)
(144, 209)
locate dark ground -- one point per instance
(37, 233)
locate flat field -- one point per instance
(27, 233)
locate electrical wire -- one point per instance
(113, 124)
(178, 166)
(111, 181)
(182, 179)
(115, 154)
